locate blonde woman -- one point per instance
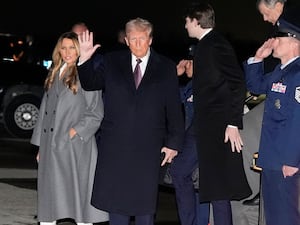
(68, 120)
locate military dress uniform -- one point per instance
(280, 140)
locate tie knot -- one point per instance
(138, 61)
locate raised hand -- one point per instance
(86, 45)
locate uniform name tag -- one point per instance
(278, 87)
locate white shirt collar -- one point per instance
(144, 62)
(288, 62)
(205, 33)
(62, 68)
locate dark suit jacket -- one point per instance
(186, 94)
(219, 95)
(136, 125)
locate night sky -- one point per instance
(46, 20)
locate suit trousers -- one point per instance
(281, 197)
(190, 211)
(222, 212)
(118, 219)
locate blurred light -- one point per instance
(47, 63)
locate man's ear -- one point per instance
(150, 42)
(194, 21)
(279, 7)
(126, 41)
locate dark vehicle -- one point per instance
(21, 85)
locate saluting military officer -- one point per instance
(279, 150)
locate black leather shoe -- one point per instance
(253, 201)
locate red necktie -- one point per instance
(137, 73)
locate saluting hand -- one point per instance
(265, 50)
(87, 49)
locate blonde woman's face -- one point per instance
(68, 51)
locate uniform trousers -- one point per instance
(281, 197)
(190, 211)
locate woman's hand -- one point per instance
(38, 157)
(72, 132)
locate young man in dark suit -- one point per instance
(218, 93)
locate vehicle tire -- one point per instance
(21, 114)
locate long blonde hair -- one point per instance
(71, 78)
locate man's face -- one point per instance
(191, 27)
(283, 47)
(270, 14)
(79, 29)
(138, 42)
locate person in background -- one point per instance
(142, 120)
(120, 43)
(190, 211)
(277, 12)
(279, 153)
(121, 37)
(273, 11)
(218, 94)
(79, 28)
(68, 118)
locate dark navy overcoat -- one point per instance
(137, 123)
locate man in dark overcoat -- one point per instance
(219, 93)
(140, 121)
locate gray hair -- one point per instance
(270, 3)
(140, 25)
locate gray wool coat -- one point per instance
(66, 166)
